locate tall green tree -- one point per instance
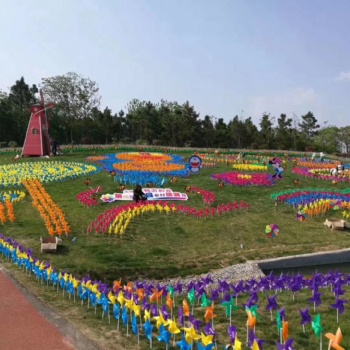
(222, 139)
(284, 132)
(266, 131)
(251, 133)
(20, 98)
(309, 125)
(208, 132)
(344, 139)
(327, 140)
(74, 96)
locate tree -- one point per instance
(19, 100)
(344, 139)
(74, 96)
(309, 125)
(251, 133)
(284, 132)
(266, 132)
(208, 131)
(327, 140)
(236, 129)
(105, 121)
(222, 135)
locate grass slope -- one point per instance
(161, 246)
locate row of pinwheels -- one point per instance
(243, 179)
(122, 215)
(322, 174)
(208, 196)
(142, 178)
(12, 196)
(153, 164)
(53, 216)
(89, 198)
(46, 172)
(8, 214)
(304, 197)
(313, 165)
(191, 311)
(227, 158)
(250, 167)
(209, 164)
(6, 204)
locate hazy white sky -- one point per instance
(224, 56)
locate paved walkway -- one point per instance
(21, 325)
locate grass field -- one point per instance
(158, 246)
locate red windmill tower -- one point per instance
(37, 141)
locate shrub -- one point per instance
(12, 144)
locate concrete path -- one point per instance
(22, 326)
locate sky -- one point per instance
(225, 57)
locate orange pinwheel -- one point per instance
(335, 340)
(156, 295)
(117, 285)
(251, 321)
(140, 293)
(169, 301)
(285, 332)
(128, 287)
(186, 308)
(209, 313)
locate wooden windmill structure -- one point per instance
(37, 141)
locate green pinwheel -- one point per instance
(230, 306)
(316, 326)
(205, 301)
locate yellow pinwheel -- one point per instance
(190, 334)
(112, 298)
(160, 320)
(207, 339)
(173, 329)
(121, 299)
(147, 315)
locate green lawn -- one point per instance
(161, 246)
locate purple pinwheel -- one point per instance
(224, 286)
(253, 338)
(271, 304)
(253, 298)
(209, 330)
(181, 317)
(316, 299)
(339, 306)
(338, 291)
(165, 313)
(146, 305)
(214, 295)
(232, 332)
(196, 323)
(178, 287)
(154, 310)
(207, 280)
(305, 317)
(287, 346)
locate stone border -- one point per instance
(320, 258)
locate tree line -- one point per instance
(77, 118)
